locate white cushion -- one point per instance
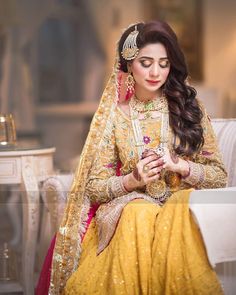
(225, 130)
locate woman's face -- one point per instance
(150, 70)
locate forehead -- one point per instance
(156, 51)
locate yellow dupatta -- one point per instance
(69, 237)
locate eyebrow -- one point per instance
(151, 58)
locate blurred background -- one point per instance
(56, 56)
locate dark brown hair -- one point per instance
(185, 113)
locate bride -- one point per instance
(127, 228)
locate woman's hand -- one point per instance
(174, 163)
(147, 170)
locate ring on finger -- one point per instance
(145, 169)
(160, 151)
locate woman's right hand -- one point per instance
(147, 170)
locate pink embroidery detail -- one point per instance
(206, 153)
(118, 168)
(146, 139)
(110, 165)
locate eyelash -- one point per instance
(145, 65)
(166, 65)
(162, 66)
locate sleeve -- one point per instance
(103, 185)
(206, 167)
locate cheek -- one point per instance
(165, 73)
(138, 72)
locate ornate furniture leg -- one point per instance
(30, 222)
(13, 209)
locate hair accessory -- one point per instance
(130, 49)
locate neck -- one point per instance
(143, 95)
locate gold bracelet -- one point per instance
(196, 174)
(115, 187)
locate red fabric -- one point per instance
(44, 278)
(118, 167)
(91, 214)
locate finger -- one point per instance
(154, 171)
(148, 159)
(156, 163)
(152, 178)
(147, 153)
(155, 157)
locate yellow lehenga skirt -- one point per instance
(155, 250)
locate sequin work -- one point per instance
(111, 140)
(149, 249)
(152, 252)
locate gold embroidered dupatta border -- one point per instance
(69, 237)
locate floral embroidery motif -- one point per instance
(110, 165)
(206, 153)
(146, 139)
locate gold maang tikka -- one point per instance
(130, 49)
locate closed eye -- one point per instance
(164, 63)
(145, 63)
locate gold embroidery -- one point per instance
(111, 139)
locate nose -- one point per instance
(155, 70)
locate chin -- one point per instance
(153, 89)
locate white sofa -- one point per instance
(214, 210)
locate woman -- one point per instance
(143, 156)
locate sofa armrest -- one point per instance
(54, 194)
(215, 213)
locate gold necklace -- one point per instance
(157, 104)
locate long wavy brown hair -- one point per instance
(185, 114)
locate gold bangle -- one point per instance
(116, 187)
(196, 174)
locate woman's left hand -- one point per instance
(165, 159)
(174, 163)
(170, 161)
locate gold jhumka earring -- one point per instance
(130, 84)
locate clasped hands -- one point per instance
(149, 168)
(151, 164)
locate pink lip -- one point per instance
(152, 82)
